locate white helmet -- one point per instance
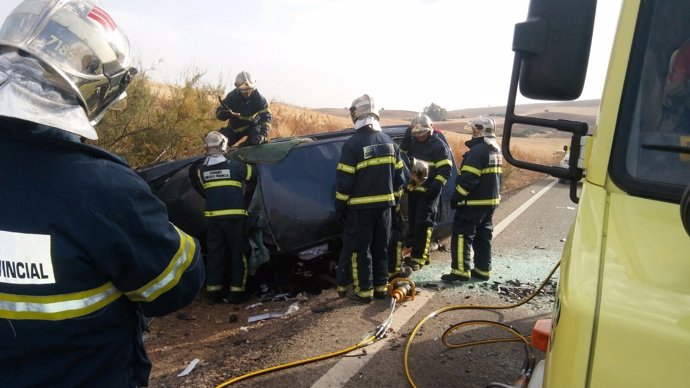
(80, 42)
(245, 81)
(215, 143)
(361, 106)
(419, 172)
(421, 124)
(485, 124)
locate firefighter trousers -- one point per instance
(363, 260)
(472, 228)
(226, 267)
(395, 245)
(421, 220)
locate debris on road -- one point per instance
(189, 368)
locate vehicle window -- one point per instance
(651, 155)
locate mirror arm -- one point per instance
(578, 129)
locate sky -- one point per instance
(325, 53)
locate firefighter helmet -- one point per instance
(80, 42)
(363, 106)
(484, 124)
(421, 124)
(215, 143)
(245, 81)
(419, 172)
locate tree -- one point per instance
(436, 112)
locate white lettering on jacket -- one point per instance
(25, 258)
(216, 174)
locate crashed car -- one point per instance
(293, 202)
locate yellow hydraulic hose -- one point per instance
(466, 307)
(361, 344)
(399, 290)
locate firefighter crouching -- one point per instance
(246, 111)
(421, 143)
(475, 197)
(224, 182)
(86, 250)
(368, 176)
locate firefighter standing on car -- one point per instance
(476, 195)
(421, 143)
(369, 181)
(224, 182)
(86, 250)
(246, 111)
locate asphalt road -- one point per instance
(531, 227)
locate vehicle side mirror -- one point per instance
(555, 41)
(685, 209)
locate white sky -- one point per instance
(324, 53)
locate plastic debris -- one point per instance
(274, 314)
(189, 368)
(253, 306)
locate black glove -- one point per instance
(256, 139)
(453, 204)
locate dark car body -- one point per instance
(294, 196)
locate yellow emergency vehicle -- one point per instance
(622, 315)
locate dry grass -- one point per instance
(289, 121)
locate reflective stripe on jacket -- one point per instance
(479, 179)
(252, 111)
(224, 185)
(87, 251)
(370, 171)
(435, 152)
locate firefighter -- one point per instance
(475, 197)
(422, 143)
(368, 176)
(224, 182)
(246, 111)
(86, 250)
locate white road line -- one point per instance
(512, 216)
(347, 367)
